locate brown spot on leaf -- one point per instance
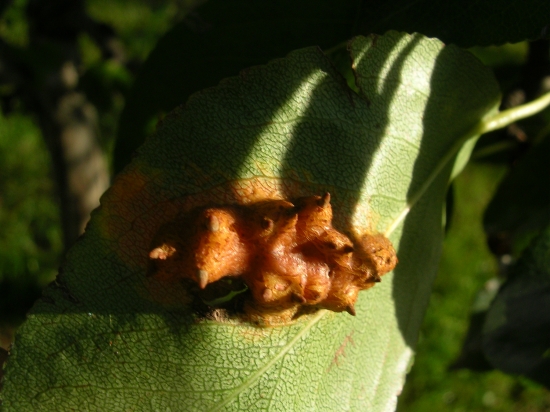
(341, 352)
(287, 253)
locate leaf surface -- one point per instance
(516, 336)
(106, 337)
(225, 36)
(520, 208)
(219, 40)
(464, 23)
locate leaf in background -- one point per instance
(218, 41)
(517, 328)
(226, 36)
(521, 205)
(104, 336)
(464, 23)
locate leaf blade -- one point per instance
(106, 329)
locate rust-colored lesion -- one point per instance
(288, 254)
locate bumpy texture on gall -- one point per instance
(288, 254)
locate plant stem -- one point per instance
(495, 122)
(514, 114)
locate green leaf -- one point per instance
(106, 337)
(521, 206)
(517, 328)
(465, 23)
(225, 36)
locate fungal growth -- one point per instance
(287, 254)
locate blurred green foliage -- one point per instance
(466, 266)
(139, 23)
(30, 239)
(13, 24)
(30, 235)
(466, 272)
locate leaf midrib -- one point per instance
(257, 375)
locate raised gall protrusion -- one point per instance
(287, 253)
